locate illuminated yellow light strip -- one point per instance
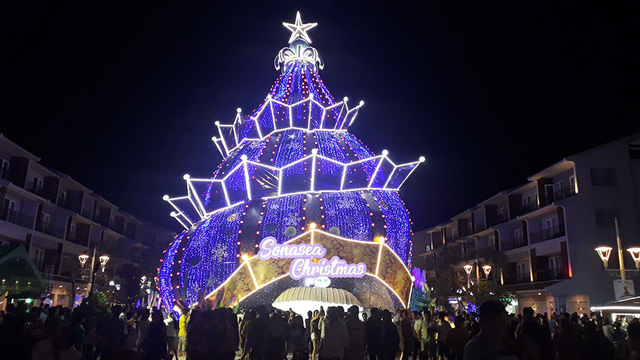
(378, 261)
(255, 282)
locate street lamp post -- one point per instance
(83, 258)
(468, 268)
(605, 253)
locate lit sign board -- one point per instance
(308, 261)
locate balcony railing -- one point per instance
(564, 192)
(527, 208)
(547, 234)
(539, 275)
(48, 228)
(519, 242)
(86, 213)
(17, 218)
(35, 188)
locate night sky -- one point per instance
(123, 98)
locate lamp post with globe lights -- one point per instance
(95, 267)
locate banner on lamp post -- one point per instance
(623, 289)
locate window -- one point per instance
(526, 201)
(518, 238)
(4, 169)
(9, 210)
(558, 188)
(603, 176)
(551, 228)
(573, 187)
(46, 221)
(62, 199)
(501, 214)
(38, 258)
(491, 242)
(470, 227)
(550, 193)
(606, 217)
(522, 272)
(554, 263)
(36, 185)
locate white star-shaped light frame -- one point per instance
(299, 30)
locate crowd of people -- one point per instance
(57, 333)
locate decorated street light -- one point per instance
(635, 254)
(468, 268)
(104, 259)
(487, 270)
(605, 253)
(83, 259)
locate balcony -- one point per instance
(47, 228)
(547, 234)
(78, 238)
(502, 218)
(540, 275)
(564, 192)
(86, 213)
(550, 274)
(516, 278)
(35, 187)
(17, 218)
(519, 241)
(527, 208)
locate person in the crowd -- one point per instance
(372, 333)
(457, 339)
(607, 328)
(443, 330)
(633, 343)
(173, 327)
(568, 341)
(388, 339)
(472, 326)
(315, 333)
(597, 346)
(406, 333)
(533, 338)
(299, 337)
(182, 332)
(356, 329)
(155, 342)
(365, 316)
(244, 329)
(256, 333)
(491, 342)
(275, 337)
(142, 327)
(335, 337)
(307, 321)
(419, 342)
(111, 332)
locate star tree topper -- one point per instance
(299, 30)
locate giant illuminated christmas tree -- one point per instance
(290, 163)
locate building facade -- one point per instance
(548, 229)
(57, 219)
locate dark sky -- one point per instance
(123, 97)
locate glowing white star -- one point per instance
(299, 30)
